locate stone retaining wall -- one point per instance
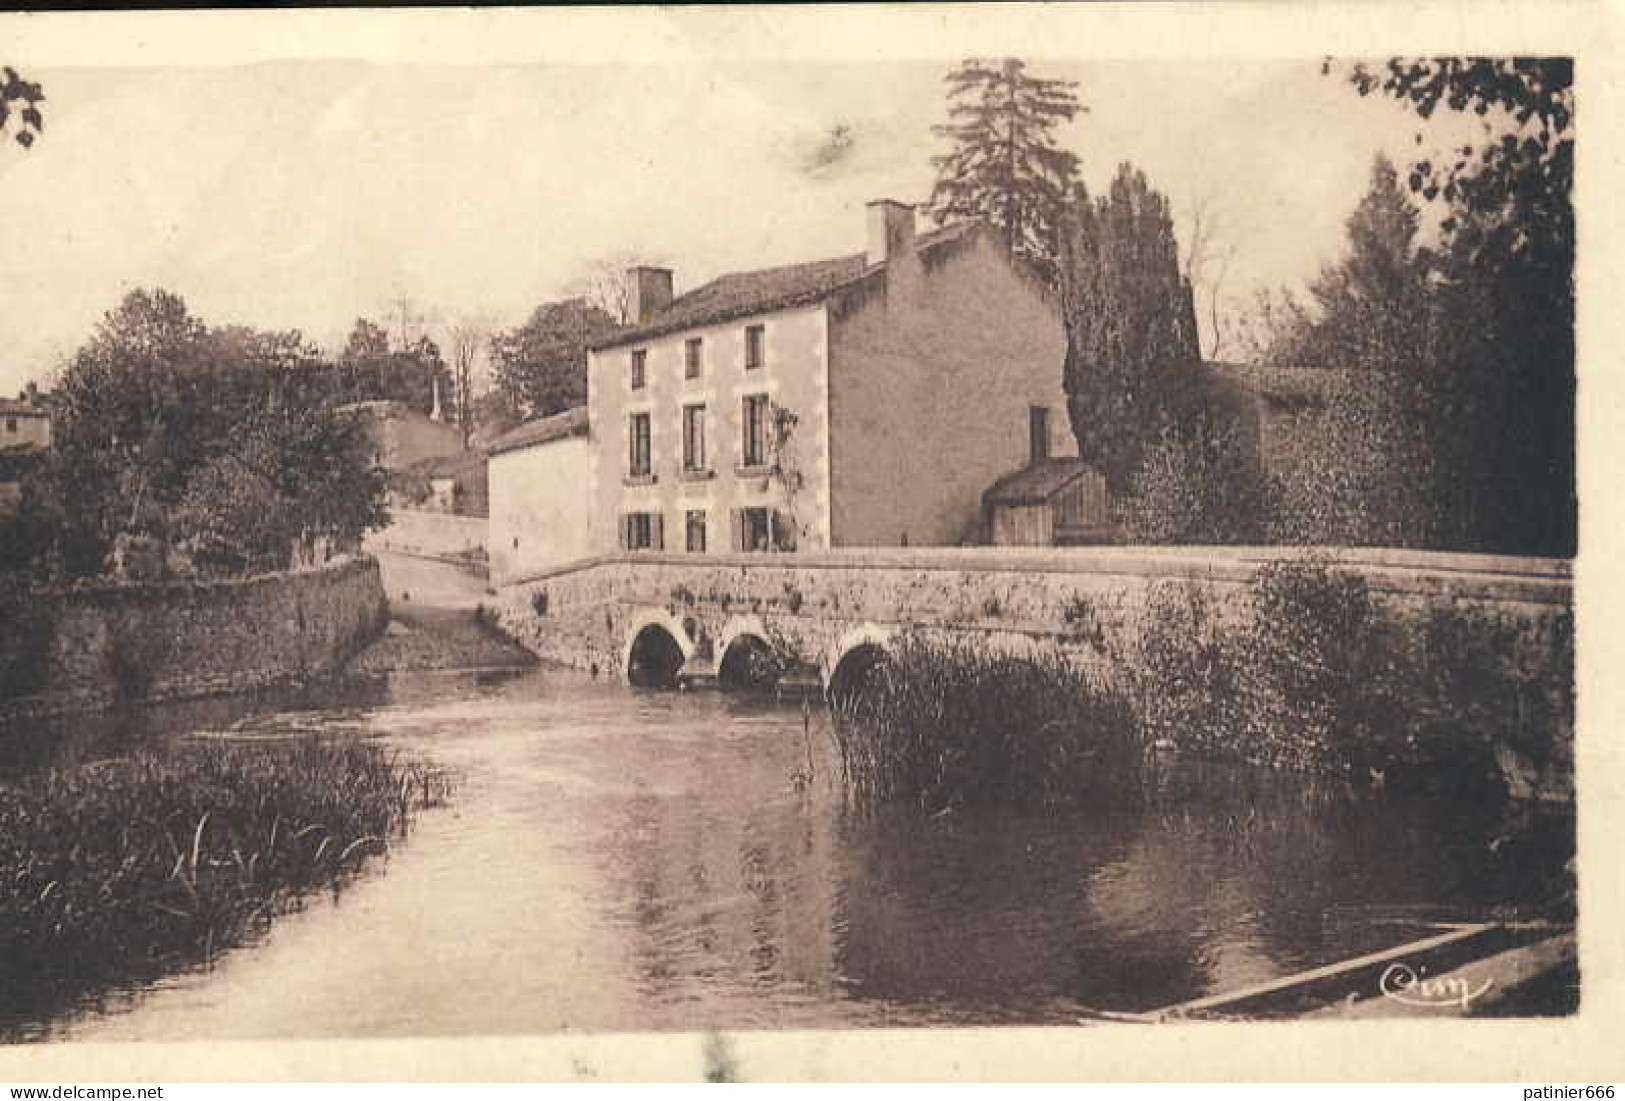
(430, 534)
(88, 648)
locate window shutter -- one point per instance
(623, 524)
(657, 531)
(784, 531)
(736, 530)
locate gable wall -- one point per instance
(932, 371)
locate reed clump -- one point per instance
(944, 723)
(115, 872)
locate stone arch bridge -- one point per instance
(657, 617)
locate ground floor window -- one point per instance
(695, 539)
(641, 531)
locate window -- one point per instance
(639, 459)
(755, 443)
(1038, 433)
(641, 531)
(695, 538)
(640, 366)
(11, 424)
(753, 346)
(691, 358)
(694, 437)
(755, 529)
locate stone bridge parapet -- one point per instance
(819, 607)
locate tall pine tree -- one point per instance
(1005, 165)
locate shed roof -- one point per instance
(11, 408)
(571, 422)
(1037, 483)
(742, 293)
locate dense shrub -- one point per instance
(1304, 669)
(1199, 485)
(119, 870)
(945, 723)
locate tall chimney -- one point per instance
(891, 229)
(648, 292)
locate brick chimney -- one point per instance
(891, 230)
(648, 292)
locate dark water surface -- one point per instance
(625, 860)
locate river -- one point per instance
(618, 859)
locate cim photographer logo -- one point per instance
(1401, 983)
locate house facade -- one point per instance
(867, 400)
(24, 424)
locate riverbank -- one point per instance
(92, 647)
(421, 638)
(116, 872)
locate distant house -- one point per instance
(24, 424)
(452, 483)
(25, 435)
(865, 400)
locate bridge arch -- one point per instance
(853, 658)
(742, 644)
(654, 649)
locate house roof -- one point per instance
(742, 293)
(1037, 483)
(571, 422)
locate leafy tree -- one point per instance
(23, 98)
(376, 369)
(280, 478)
(145, 404)
(1131, 358)
(541, 367)
(1503, 295)
(1369, 474)
(1005, 165)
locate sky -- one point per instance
(304, 191)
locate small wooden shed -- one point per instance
(1053, 502)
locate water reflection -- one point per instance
(621, 859)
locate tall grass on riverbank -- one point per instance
(119, 871)
(943, 724)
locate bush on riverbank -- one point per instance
(945, 724)
(121, 870)
(1303, 669)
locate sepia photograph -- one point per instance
(712, 523)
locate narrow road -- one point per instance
(433, 622)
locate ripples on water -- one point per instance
(620, 860)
